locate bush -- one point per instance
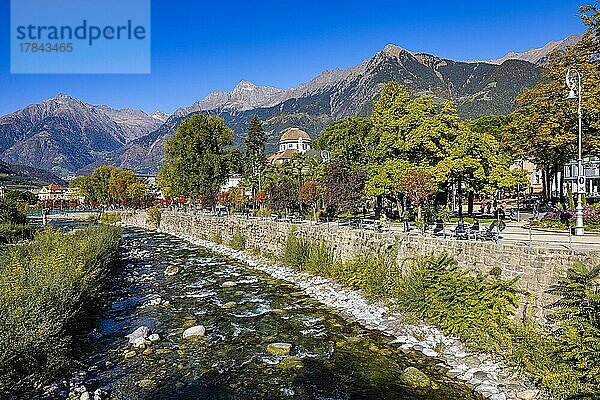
(110, 217)
(477, 308)
(577, 317)
(296, 250)
(238, 241)
(50, 288)
(11, 233)
(11, 214)
(153, 216)
(217, 238)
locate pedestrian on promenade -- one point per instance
(405, 216)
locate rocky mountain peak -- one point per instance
(538, 55)
(244, 86)
(394, 51)
(160, 116)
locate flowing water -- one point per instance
(330, 357)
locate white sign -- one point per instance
(581, 184)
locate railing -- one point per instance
(513, 235)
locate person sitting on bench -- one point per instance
(460, 228)
(439, 227)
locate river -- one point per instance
(330, 357)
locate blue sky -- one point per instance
(198, 46)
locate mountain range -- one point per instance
(67, 136)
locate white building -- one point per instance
(57, 192)
(292, 141)
(591, 168)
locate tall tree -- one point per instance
(254, 153)
(475, 161)
(414, 130)
(196, 163)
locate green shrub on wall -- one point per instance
(238, 241)
(216, 238)
(153, 216)
(110, 217)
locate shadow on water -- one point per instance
(330, 357)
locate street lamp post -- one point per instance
(574, 85)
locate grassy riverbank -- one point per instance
(49, 289)
(480, 310)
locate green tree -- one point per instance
(349, 139)
(387, 179)
(196, 163)
(109, 185)
(544, 126)
(475, 161)
(21, 196)
(125, 186)
(94, 187)
(10, 214)
(418, 130)
(254, 152)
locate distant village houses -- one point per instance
(54, 192)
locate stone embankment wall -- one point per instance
(538, 268)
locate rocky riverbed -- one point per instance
(188, 319)
(485, 374)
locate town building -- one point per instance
(293, 141)
(591, 168)
(55, 192)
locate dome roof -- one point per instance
(294, 134)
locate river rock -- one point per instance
(100, 394)
(172, 270)
(228, 284)
(129, 354)
(85, 396)
(147, 352)
(139, 343)
(528, 394)
(413, 377)
(146, 383)
(282, 349)
(141, 332)
(154, 338)
(229, 304)
(194, 331)
(290, 362)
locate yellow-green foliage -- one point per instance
(49, 289)
(480, 310)
(216, 238)
(238, 241)
(153, 216)
(110, 217)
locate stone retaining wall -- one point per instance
(538, 268)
